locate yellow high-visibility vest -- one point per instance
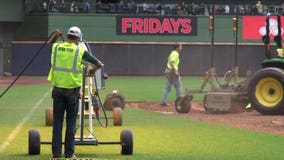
(174, 56)
(280, 52)
(66, 65)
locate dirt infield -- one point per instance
(251, 120)
(5, 81)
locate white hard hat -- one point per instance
(75, 31)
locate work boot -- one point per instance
(55, 157)
(164, 104)
(71, 157)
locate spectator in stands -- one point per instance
(259, 8)
(210, 9)
(102, 7)
(158, 8)
(44, 6)
(254, 10)
(242, 9)
(191, 9)
(131, 7)
(62, 6)
(181, 8)
(271, 8)
(72, 7)
(227, 9)
(145, 8)
(119, 7)
(87, 6)
(201, 9)
(282, 9)
(53, 5)
(220, 9)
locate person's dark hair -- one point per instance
(71, 37)
(176, 45)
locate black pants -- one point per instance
(64, 100)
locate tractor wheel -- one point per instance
(126, 139)
(117, 116)
(266, 91)
(49, 117)
(34, 142)
(183, 104)
(114, 100)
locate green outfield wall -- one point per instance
(11, 17)
(137, 55)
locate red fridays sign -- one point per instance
(254, 27)
(156, 25)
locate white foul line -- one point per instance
(14, 133)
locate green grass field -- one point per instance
(156, 136)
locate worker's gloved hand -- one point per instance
(92, 70)
(58, 32)
(177, 74)
(105, 76)
(99, 64)
(95, 67)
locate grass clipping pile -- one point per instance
(239, 117)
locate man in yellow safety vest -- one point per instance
(66, 77)
(172, 74)
(280, 52)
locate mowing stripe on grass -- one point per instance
(14, 133)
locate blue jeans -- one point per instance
(174, 80)
(64, 100)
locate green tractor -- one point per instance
(263, 90)
(266, 86)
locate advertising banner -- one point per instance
(254, 27)
(156, 25)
